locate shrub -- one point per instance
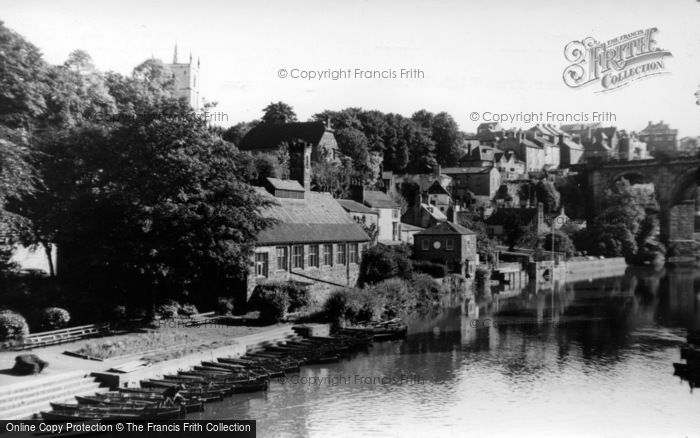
(13, 326)
(364, 305)
(435, 270)
(188, 310)
(298, 295)
(397, 295)
(272, 302)
(336, 305)
(427, 291)
(381, 263)
(169, 309)
(224, 306)
(118, 313)
(53, 318)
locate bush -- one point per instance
(188, 310)
(336, 305)
(13, 326)
(169, 309)
(272, 301)
(118, 313)
(427, 291)
(29, 364)
(224, 306)
(397, 294)
(53, 318)
(435, 270)
(298, 295)
(364, 305)
(382, 263)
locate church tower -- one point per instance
(186, 77)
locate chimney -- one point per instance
(436, 171)
(540, 214)
(300, 163)
(357, 191)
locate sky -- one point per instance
(484, 57)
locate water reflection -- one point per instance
(579, 359)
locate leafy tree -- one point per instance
(485, 246)
(382, 262)
(518, 232)
(235, 133)
(353, 144)
(562, 243)
(547, 194)
(278, 112)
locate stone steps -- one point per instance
(25, 399)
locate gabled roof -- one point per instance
(526, 215)
(434, 212)
(315, 219)
(437, 188)
(271, 135)
(285, 184)
(409, 227)
(377, 199)
(466, 170)
(444, 228)
(355, 207)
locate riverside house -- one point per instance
(449, 244)
(314, 241)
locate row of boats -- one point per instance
(690, 370)
(174, 395)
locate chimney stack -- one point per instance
(300, 163)
(357, 191)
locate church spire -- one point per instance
(175, 54)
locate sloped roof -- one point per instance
(285, 184)
(576, 127)
(463, 170)
(409, 227)
(434, 212)
(271, 135)
(316, 218)
(446, 227)
(377, 199)
(527, 215)
(355, 207)
(436, 187)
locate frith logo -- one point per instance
(614, 63)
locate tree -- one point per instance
(484, 245)
(235, 133)
(381, 263)
(547, 194)
(562, 243)
(518, 232)
(278, 112)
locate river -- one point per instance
(591, 358)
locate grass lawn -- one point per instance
(168, 341)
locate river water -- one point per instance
(591, 358)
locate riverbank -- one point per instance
(66, 376)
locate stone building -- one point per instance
(314, 240)
(483, 182)
(450, 244)
(388, 212)
(185, 77)
(660, 138)
(270, 137)
(363, 215)
(526, 150)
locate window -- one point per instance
(340, 254)
(395, 214)
(261, 265)
(424, 244)
(328, 254)
(282, 258)
(313, 256)
(450, 244)
(298, 256)
(353, 253)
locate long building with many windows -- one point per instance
(314, 241)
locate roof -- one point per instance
(527, 215)
(316, 218)
(576, 127)
(285, 184)
(463, 170)
(409, 227)
(446, 227)
(377, 199)
(434, 212)
(436, 187)
(271, 135)
(355, 207)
